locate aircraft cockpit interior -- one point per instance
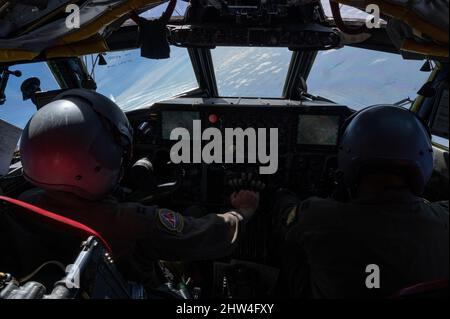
(220, 97)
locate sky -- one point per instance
(15, 110)
(354, 77)
(130, 80)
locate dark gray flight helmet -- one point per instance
(386, 137)
(78, 143)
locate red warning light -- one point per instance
(213, 118)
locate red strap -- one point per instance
(422, 288)
(82, 229)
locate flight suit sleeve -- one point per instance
(306, 218)
(314, 215)
(295, 262)
(439, 211)
(176, 237)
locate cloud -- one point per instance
(136, 82)
(379, 60)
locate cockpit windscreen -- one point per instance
(318, 129)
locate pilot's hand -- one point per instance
(247, 181)
(245, 202)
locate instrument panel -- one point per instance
(318, 129)
(171, 120)
(308, 134)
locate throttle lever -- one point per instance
(246, 182)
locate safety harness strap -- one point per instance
(77, 227)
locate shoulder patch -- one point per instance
(171, 221)
(292, 216)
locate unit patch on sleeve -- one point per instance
(171, 221)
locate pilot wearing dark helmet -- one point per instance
(74, 150)
(386, 237)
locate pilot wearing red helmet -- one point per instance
(74, 150)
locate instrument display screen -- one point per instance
(176, 119)
(318, 129)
